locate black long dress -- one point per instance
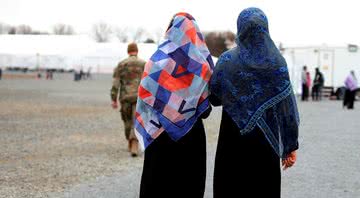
(176, 169)
(349, 99)
(245, 165)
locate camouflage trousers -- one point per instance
(127, 112)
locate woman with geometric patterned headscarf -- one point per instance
(173, 99)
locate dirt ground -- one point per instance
(61, 138)
(55, 134)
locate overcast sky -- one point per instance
(290, 21)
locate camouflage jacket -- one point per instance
(126, 79)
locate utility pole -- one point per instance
(37, 61)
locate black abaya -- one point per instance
(305, 92)
(349, 99)
(245, 165)
(176, 169)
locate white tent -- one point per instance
(82, 52)
(64, 52)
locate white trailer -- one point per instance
(335, 62)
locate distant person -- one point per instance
(305, 88)
(81, 74)
(88, 73)
(49, 74)
(76, 75)
(308, 85)
(126, 79)
(351, 85)
(173, 100)
(0, 73)
(259, 124)
(318, 85)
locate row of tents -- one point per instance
(64, 52)
(81, 52)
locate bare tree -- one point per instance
(4, 28)
(139, 33)
(63, 29)
(23, 29)
(229, 39)
(122, 34)
(159, 34)
(36, 32)
(102, 32)
(215, 43)
(12, 30)
(149, 40)
(218, 42)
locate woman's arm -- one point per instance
(206, 113)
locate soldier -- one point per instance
(126, 79)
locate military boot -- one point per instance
(129, 145)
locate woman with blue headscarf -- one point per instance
(260, 119)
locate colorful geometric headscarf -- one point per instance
(174, 88)
(252, 82)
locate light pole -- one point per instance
(37, 61)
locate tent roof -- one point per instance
(45, 44)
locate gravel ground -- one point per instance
(61, 139)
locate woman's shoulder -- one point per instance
(229, 54)
(226, 57)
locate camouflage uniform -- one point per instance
(126, 79)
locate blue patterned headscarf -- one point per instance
(252, 82)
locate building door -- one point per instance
(326, 63)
